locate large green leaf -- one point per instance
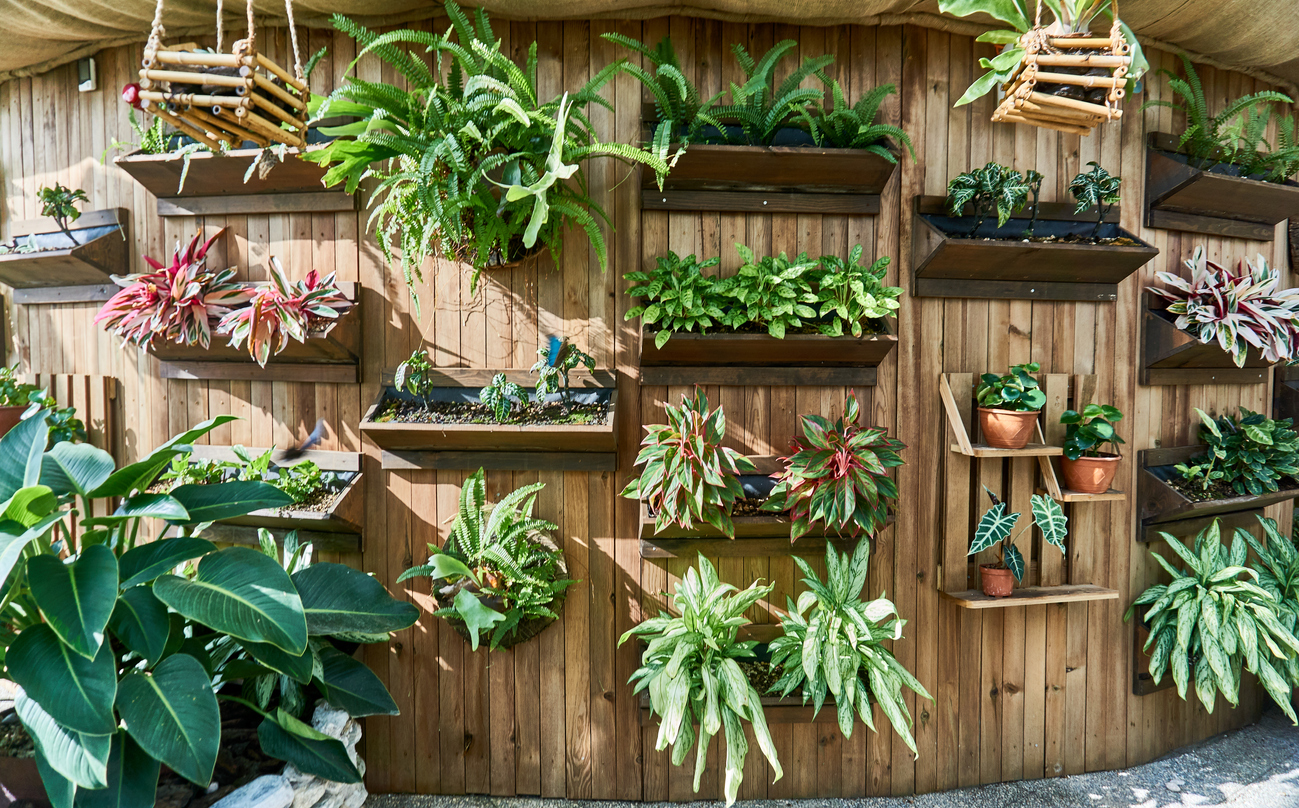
(140, 621)
(21, 450)
(210, 503)
(31, 504)
(339, 599)
(75, 468)
(994, 526)
(79, 757)
(146, 562)
(140, 474)
(352, 686)
(173, 714)
(141, 506)
(240, 592)
(1050, 519)
(58, 788)
(75, 691)
(14, 537)
(77, 597)
(288, 739)
(478, 618)
(297, 667)
(132, 778)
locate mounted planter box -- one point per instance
(328, 356)
(1160, 502)
(518, 447)
(20, 781)
(742, 359)
(1009, 267)
(335, 527)
(104, 250)
(1182, 197)
(215, 184)
(1171, 356)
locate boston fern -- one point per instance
(838, 478)
(833, 644)
(759, 106)
(845, 126)
(470, 161)
(1213, 620)
(691, 671)
(1250, 453)
(687, 476)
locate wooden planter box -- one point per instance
(329, 356)
(497, 446)
(215, 184)
(1160, 503)
(104, 251)
(743, 359)
(1182, 197)
(947, 266)
(336, 530)
(1171, 356)
(21, 780)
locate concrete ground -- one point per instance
(1256, 767)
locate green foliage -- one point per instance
(60, 204)
(1034, 181)
(62, 421)
(1089, 430)
(469, 160)
(1278, 574)
(1212, 620)
(851, 293)
(761, 108)
(993, 188)
(678, 296)
(500, 395)
(1095, 189)
(300, 481)
(838, 476)
(833, 644)
(845, 126)
(687, 476)
(1017, 390)
(495, 570)
(1236, 135)
(770, 290)
(113, 685)
(691, 672)
(995, 528)
(1249, 452)
(415, 376)
(552, 372)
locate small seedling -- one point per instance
(415, 376)
(992, 189)
(60, 204)
(500, 396)
(557, 360)
(996, 525)
(1096, 189)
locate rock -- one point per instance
(267, 791)
(330, 720)
(308, 792)
(354, 795)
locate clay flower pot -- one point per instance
(1007, 429)
(1089, 475)
(996, 582)
(9, 418)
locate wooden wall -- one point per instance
(1020, 693)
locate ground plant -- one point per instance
(996, 526)
(993, 189)
(1214, 619)
(1248, 454)
(833, 645)
(1017, 390)
(501, 395)
(1087, 431)
(1095, 189)
(678, 296)
(60, 204)
(851, 294)
(691, 670)
(771, 291)
(495, 573)
(555, 362)
(415, 376)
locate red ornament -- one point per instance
(131, 95)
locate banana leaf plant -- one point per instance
(117, 648)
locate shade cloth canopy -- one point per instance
(1257, 36)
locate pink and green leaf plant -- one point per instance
(1240, 309)
(281, 310)
(176, 302)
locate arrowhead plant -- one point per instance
(996, 526)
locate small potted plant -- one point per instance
(1086, 469)
(19, 400)
(998, 580)
(1009, 405)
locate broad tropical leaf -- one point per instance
(338, 599)
(173, 715)
(75, 691)
(76, 597)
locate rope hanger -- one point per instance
(246, 45)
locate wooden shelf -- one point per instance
(104, 251)
(1015, 269)
(1182, 197)
(1159, 503)
(1066, 495)
(746, 359)
(1171, 356)
(1031, 596)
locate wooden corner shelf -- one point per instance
(740, 359)
(969, 448)
(1171, 356)
(1160, 504)
(104, 250)
(1010, 268)
(1182, 197)
(1031, 596)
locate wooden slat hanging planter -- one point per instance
(1160, 503)
(739, 359)
(1171, 356)
(103, 250)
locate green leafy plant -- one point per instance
(1087, 431)
(692, 672)
(1034, 181)
(1250, 453)
(1095, 189)
(1017, 390)
(838, 476)
(556, 361)
(495, 570)
(851, 293)
(771, 291)
(1212, 620)
(112, 647)
(995, 528)
(500, 395)
(60, 204)
(62, 422)
(833, 644)
(761, 108)
(1278, 574)
(687, 476)
(992, 189)
(468, 158)
(300, 481)
(415, 376)
(846, 126)
(678, 296)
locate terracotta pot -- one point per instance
(21, 780)
(1089, 475)
(995, 581)
(9, 418)
(1007, 429)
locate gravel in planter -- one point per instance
(14, 740)
(1193, 491)
(468, 412)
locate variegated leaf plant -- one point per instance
(996, 526)
(281, 310)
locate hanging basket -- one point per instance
(1053, 64)
(224, 99)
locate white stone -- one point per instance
(307, 793)
(354, 795)
(267, 791)
(330, 720)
